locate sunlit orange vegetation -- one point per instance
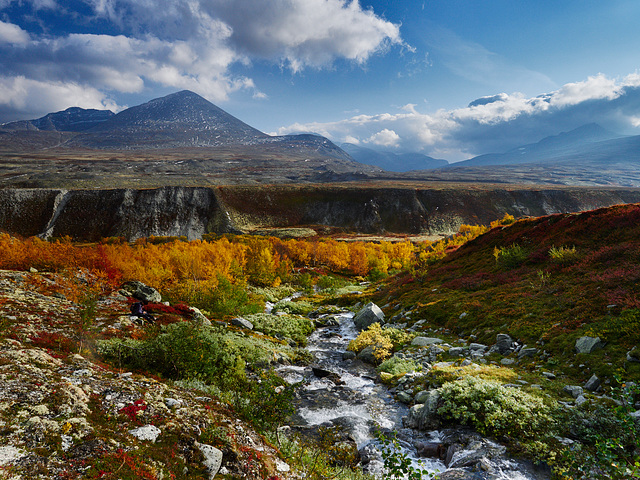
(183, 267)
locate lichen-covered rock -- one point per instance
(212, 459)
(588, 344)
(142, 292)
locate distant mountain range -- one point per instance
(581, 143)
(180, 120)
(392, 162)
(191, 141)
(73, 119)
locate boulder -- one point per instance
(242, 323)
(573, 390)
(366, 355)
(504, 343)
(588, 344)
(527, 352)
(477, 347)
(456, 351)
(198, 317)
(142, 292)
(424, 416)
(367, 316)
(421, 397)
(348, 355)
(592, 384)
(457, 474)
(425, 341)
(212, 459)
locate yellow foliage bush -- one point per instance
(383, 341)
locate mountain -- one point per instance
(556, 148)
(73, 119)
(182, 119)
(392, 162)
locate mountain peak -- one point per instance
(181, 119)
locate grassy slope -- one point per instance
(541, 301)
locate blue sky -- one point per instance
(404, 76)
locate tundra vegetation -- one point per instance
(547, 282)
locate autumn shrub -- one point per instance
(296, 327)
(220, 298)
(493, 409)
(384, 341)
(563, 255)
(510, 257)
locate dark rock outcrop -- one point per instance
(194, 211)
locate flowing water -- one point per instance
(350, 398)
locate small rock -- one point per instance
(477, 346)
(242, 323)
(588, 344)
(172, 402)
(507, 361)
(9, 455)
(348, 355)
(212, 459)
(593, 383)
(633, 355)
(580, 400)
(404, 397)
(148, 432)
(33, 270)
(425, 341)
(504, 343)
(549, 375)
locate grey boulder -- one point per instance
(588, 344)
(367, 316)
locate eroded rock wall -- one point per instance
(194, 211)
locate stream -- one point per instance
(338, 392)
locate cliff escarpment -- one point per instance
(194, 211)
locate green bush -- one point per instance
(293, 326)
(184, 350)
(296, 308)
(273, 294)
(511, 256)
(563, 255)
(493, 409)
(397, 365)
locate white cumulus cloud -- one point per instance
(188, 44)
(10, 33)
(494, 123)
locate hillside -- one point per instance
(546, 281)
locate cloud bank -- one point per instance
(182, 44)
(494, 123)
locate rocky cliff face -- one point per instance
(194, 211)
